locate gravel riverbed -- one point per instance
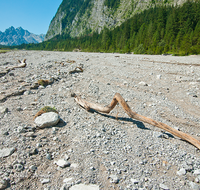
(92, 150)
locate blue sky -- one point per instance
(32, 15)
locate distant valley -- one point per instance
(17, 36)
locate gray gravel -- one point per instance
(98, 150)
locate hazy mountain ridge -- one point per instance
(18, 36)
(79, 17)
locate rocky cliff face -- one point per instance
(18, 36)
(81, 17)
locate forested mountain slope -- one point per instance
(158, 30)
(80, 17)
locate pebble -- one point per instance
(163, 186)
(84, 187)
(48, 156)
(47, 120)
(3, 184)
(134, 181)
(3, 109)
(44, 181)
(194, 186)
(33, 168)
(114, 179)
(6, 152)
(68, 180)
(182, 171)
(62, 163)
(18, 167)
(197, 172)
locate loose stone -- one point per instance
(182, 171)
(162, 186)
(62, 163)
(84, 187)
(6, 152)
(114, 179)
(3, 184)
(44, 181)
(47, 119)
(194, 186)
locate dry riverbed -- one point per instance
(93, 150)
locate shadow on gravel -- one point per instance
(138, 123)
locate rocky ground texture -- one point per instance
(90, 150)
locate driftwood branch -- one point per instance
(8, 69)
(21, 65)
(76, 70)
(118, 98)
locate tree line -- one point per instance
(158, 30)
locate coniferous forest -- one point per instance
(158, 30)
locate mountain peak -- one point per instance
(18, 36)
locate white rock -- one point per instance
(3, 109)
(134, 181)
(67, 180)
(197, 172)
(143, 83)
(3, 184)
(27, 92)
(33, 168)
(162, 186)
(114, 179)
(47, 119)
(182, 171)
(18, 167)
(84, 187)
(44, 181)
(6, 152)
(62, 163)
(194, 186)
(158, 76)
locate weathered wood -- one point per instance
(8, 69)
(76, 70)
(118, 98)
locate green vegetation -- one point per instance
(49, 109)
(112, 3)
(158, 30)
(4, 50)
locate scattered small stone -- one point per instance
(3, 184)
(18, 167)
(62, 163)
(27, 92)
(47, 119)
(6, 152)
(197, 172)
(143, 83)
(33, 151)
(21, 129)
(48, 156)
(114, 179)
(182, 171)
(134, 181)
(194, 186)
(163, 186)
(3, 109)
(33, 168)
(84, 187)
(67, 180)
(44, 181)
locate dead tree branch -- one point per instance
(118, 98)
(8, 69)
(76, 70)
